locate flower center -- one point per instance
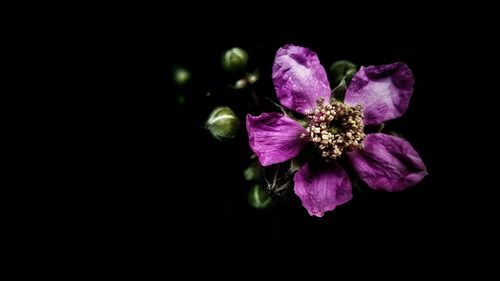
(334, 127)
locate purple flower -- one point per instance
(375, 94)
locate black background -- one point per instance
(180, 181)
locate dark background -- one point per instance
(182, 182)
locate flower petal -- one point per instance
(322, 187)
(274, 137)
(384, 91)
(387, 162)
(299, 78)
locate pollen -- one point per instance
(335, 127)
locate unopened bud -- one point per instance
(253, 77)
(342, 70)
(252, 172)
(338, 92)
(258, 198)
(223, 123)
(181, 76)
(234, 59)
(240, 84)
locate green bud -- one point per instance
(342, 69)
(240, 84)
(253, 77)
(349, 74)
(181, 76)
(339, 92)
(234, 59)
(223, 123)
(253, 171)
(258, 198)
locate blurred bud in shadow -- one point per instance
(253, 172)
(181, 76)
(222, 123)
(258, 198)
(234, 59)
(249, 79)
(240, 84)
(253, 77)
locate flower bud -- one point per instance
(339, 92)
(258, 198)
(234, 59)
(252, 77)
(240, 84)
(223, 123)
(342, 69)
(252, 172)
(181, 76)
